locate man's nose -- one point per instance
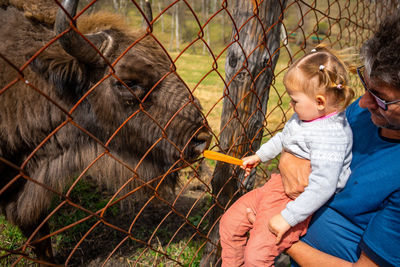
(368, 101)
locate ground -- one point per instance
(156, 222)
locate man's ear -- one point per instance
(321, 102)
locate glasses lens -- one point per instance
(378, 101)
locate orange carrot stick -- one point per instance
(221, 157)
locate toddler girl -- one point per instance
(319, 132)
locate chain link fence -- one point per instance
(104, 118)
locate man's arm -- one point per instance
(306, 255)
(295, 172)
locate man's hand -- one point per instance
(249, 163)
(294, 172)
(278, 226)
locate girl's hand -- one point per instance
(278, 226)
(250, 163)
(294, 172)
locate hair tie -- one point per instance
(313, 50)
(321, 67)
(339, 86)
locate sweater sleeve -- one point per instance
(272, 148)
(326, 164)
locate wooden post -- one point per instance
(249, 70)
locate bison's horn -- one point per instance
(72, 42)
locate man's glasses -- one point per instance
(381, 103)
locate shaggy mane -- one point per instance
(101, 21)
(45, 11)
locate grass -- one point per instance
(87, 195)
(205, 78)
(187, 253)
(205, 83)
(11, 238)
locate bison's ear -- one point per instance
(69, 76)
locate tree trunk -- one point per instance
(223, 28)
(162, 17)
(121, 6)
(171, 41)
(249, 70)
(204, 11)
(177, 27)
(146, 6)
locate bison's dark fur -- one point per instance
(156, 121)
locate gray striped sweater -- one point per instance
(327, 144)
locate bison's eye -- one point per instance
(131, 84)
(127, 84)
(129, 103)
(130, 92)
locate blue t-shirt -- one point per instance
(365, 215)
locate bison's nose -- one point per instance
(199, 143)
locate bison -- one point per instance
(104, 103)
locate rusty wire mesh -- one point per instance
(91, 224)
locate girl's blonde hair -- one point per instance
(321, 71)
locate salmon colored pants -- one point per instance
(258, 248)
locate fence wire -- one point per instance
(100, 154)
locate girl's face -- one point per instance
(305, 106)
